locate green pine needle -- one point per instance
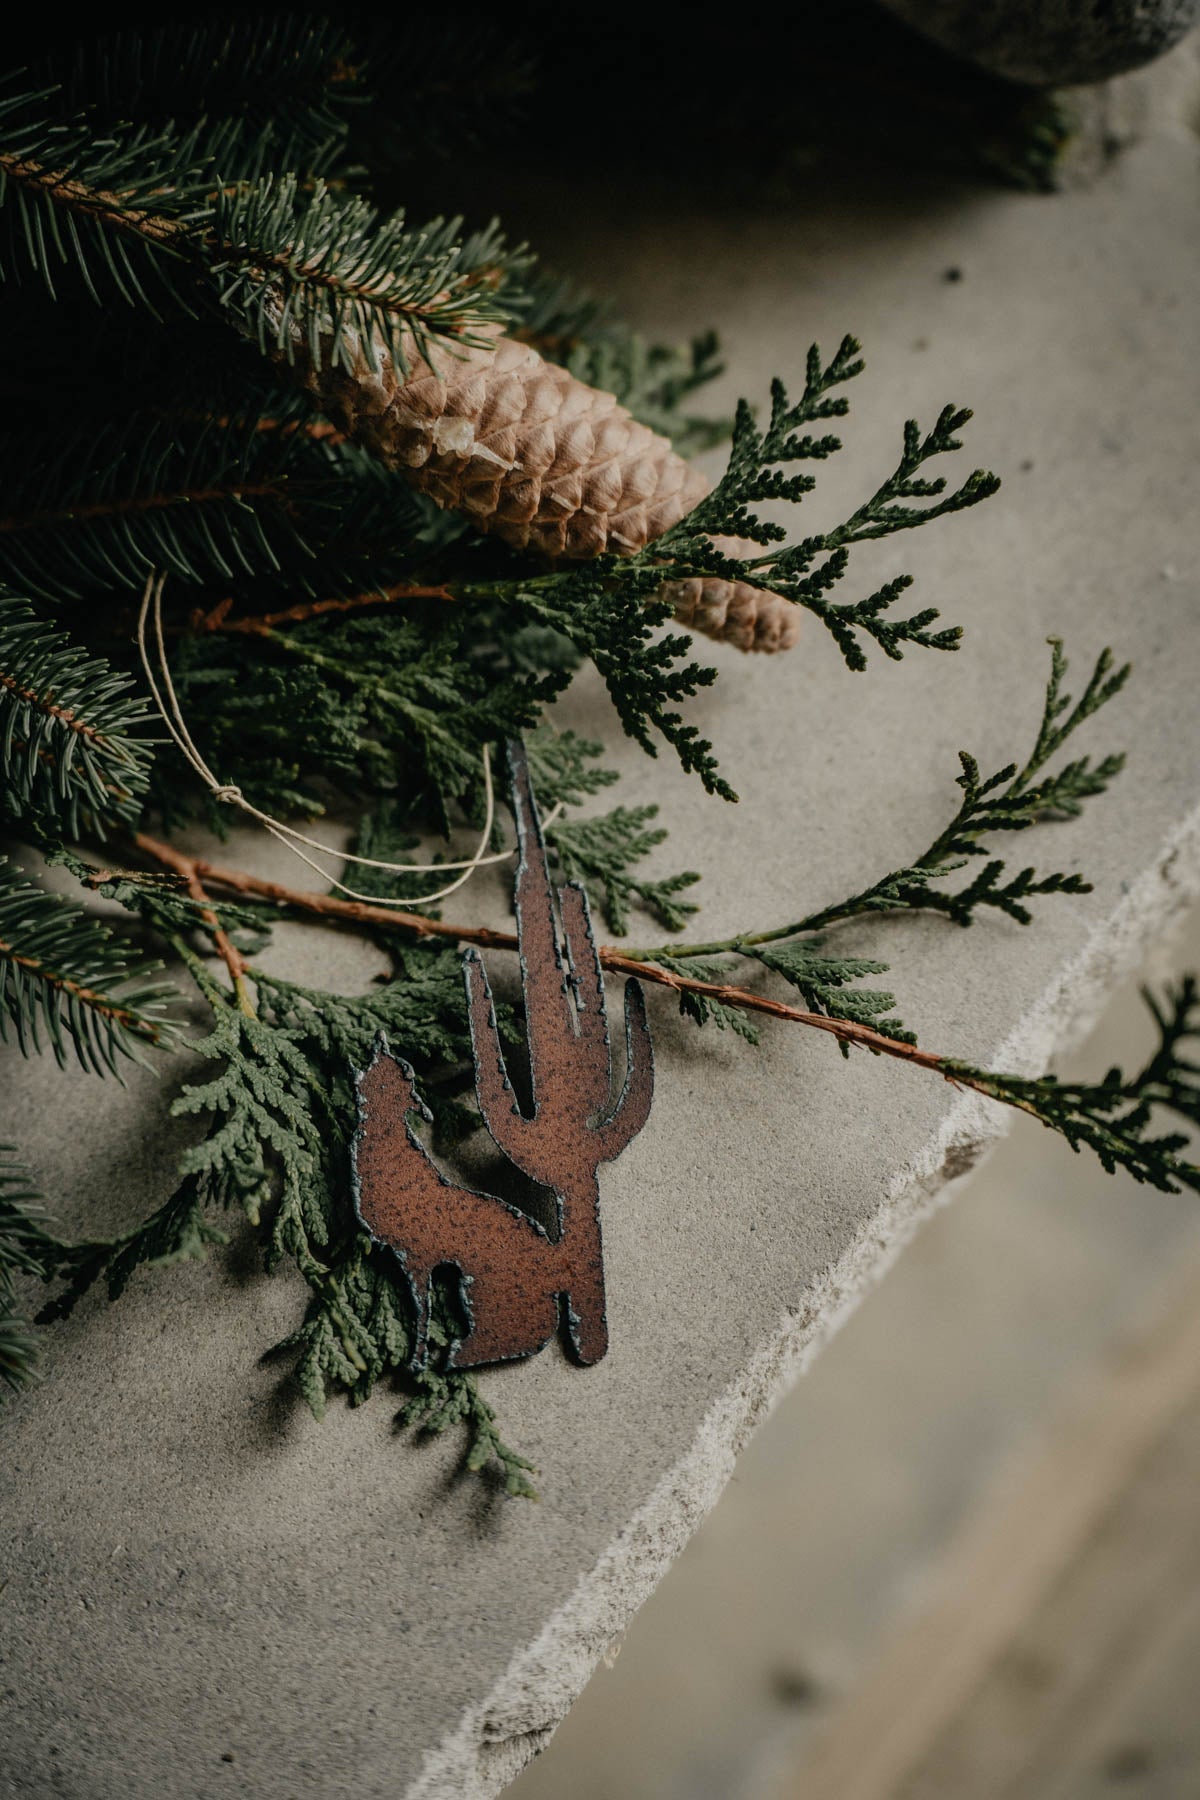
(69, 728)
(66, 979)
(26, 1248)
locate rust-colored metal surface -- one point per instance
(516, 1278)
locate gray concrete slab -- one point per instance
(208, 1593)
(833, 1534)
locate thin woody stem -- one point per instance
(47, 705)
(89, 997)
(361, 913)
(114, 211)
(105, 509)
(190, 870)
(218, 620)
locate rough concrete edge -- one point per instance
(498, 1735)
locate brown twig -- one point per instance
(218, 620)
(114, 210)
(110, 208)
(191, 870)
(361, 913)
(50, 707)
(321, 431)
(103, 509)
(117, 1014)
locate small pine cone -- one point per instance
(733, 612)
(523, 448)
(530, 453)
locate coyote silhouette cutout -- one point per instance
(516, 1278)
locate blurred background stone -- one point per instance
(1052, 43)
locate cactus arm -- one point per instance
(551, 1027)
(633, 1108)
(497, 1101)
(593, 1063)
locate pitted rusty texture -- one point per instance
(515, 1276)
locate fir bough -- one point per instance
(26, 1249)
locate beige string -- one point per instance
(172, 715)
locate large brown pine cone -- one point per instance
(536, 457)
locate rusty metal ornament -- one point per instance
(516, 1279)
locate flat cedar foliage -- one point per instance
(167, 196)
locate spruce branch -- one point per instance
(290, 259)
(65, 976)
(101, 509)
(68, 724)
(268, 89)
(26, 1248)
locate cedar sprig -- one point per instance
(1116, 1118)
(1016, 797)
(610, 609)
(603, 852)
(175, 1232)
(1012, 799)
(446, 1398)
(279, 1112)
(807, 571)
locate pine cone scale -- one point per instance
(537, 458)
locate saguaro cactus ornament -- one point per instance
(515, 1276)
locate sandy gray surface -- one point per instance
(196, 1571)
(834, 1534)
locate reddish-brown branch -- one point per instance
(321, 431)
(190, 869)
(115, 211)
(129, 503)
(218, 620)
(44, 704)
(98, 1002)
(107, 208)
(359, 912)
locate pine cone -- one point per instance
(733, 612)
(536, 457)
(520, 446)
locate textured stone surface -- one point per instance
(1052, 42)
(208, 1593)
